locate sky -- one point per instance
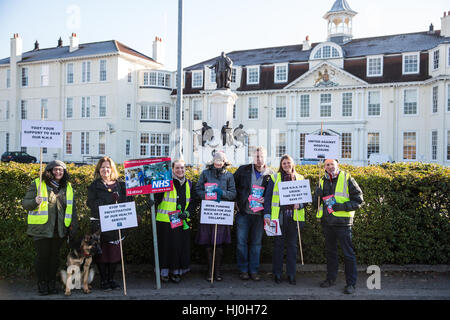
(209, 26)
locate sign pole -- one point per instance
(155, 244)
(318, 198)
(300, 241)
(123, 265)
(214, 255)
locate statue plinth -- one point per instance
(221, 102)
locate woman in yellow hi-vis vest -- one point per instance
(51, 216)
(287, 216)
(174, 232)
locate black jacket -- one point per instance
(329, 187)
(243, 182)
(99, 195)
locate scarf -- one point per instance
(182, 181)
(289, 209)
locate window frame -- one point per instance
(404, 58)
(257, 70)
(368, 66)
(286, 73)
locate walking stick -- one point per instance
(214, 255)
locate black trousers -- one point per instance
(47, 258)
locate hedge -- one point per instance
(405, 218)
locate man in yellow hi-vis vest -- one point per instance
(339, 196)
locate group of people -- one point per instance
(53, 199)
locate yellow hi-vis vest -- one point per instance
(340, 194)
(169, 204)
(299, 215)
(40, 214)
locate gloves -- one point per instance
(183, 215)
(339, 207)
(219, 193)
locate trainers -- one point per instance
(350, 289)
(244, 276)
(114, 285)
(328, 283)
(255, 276)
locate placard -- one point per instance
(293, 192)
(217, 212)
(118, 216)
(145, 176)
(41, 134)
(321, 147)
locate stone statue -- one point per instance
(227, 136)
(207, 134)
(222, 67)
(239, 136)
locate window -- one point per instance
(448, 145)
(69, 107)
(129, 77)
(154, 144)
(434, 144)
(7, 110)
(197, 107)
(304, 105)
(374, 66)
(374, 105)
(7, 142)
(24, 77)
(281, 73)
(434, 102)
(102, 106)
(85, 107)
(436, 59)
(409, 146)
(448, 98)
(212, 76)
(280, 148)
(155, 112)
(325, 104)
(103, 70)
(127, 147)
(44, 75)
(302, 145)
(233, 75)
(373, 143)
(252, 142)
(86, 71)
(410, 102)
(128, 111)
(84, 142)
(23, 109)
(8, 78)
(68, 142)
(411, 63)
(346, 145)
(44, 109)
(234, 111)
(252, 75)
(197, 79)
(69, 73)
(347, 104)
(280, 107)
(327, 52)
(253, 107)
(101, 143)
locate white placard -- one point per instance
(217, 212)
(321, 147)
(293, 192)
(41, 133)
(118, 216)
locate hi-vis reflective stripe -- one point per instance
(341, 195)
(169, 204)
(40, 214)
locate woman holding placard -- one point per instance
(51, 217)
(287, 217)
(106, 189)
(216, 184)
(172, 226)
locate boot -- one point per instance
(52, 289)
(43, 288)
(218, 264)
(209, 257)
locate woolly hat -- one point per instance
(55, 163)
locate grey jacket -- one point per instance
(222, 177)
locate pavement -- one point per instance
(410, 282)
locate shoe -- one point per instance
(218, 277)
(277, 279)
(52, 289)
(175, 278)
(114, 285)
(350, 289)
(291, 280)
(105, 286)
(244, 276)
(328, 283)
(43, 288)
(255, 276)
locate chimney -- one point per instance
(16, 49)
(306, 44)
(445, 25)
(74, 42)
(60, 42)
(36, 46)
(158, 50)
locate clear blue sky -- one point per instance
(209, 26)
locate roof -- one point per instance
(340, 6)
(85, 49)
(390, 44)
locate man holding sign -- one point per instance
(339, 196)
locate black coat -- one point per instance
(99, 195)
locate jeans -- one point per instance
(343, 234)
(249, 231)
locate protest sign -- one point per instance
(213, 212)
(118, 216)
(41, 134)
(145, 176)
(321, 147)
(293, 192)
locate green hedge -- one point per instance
(405, 219)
